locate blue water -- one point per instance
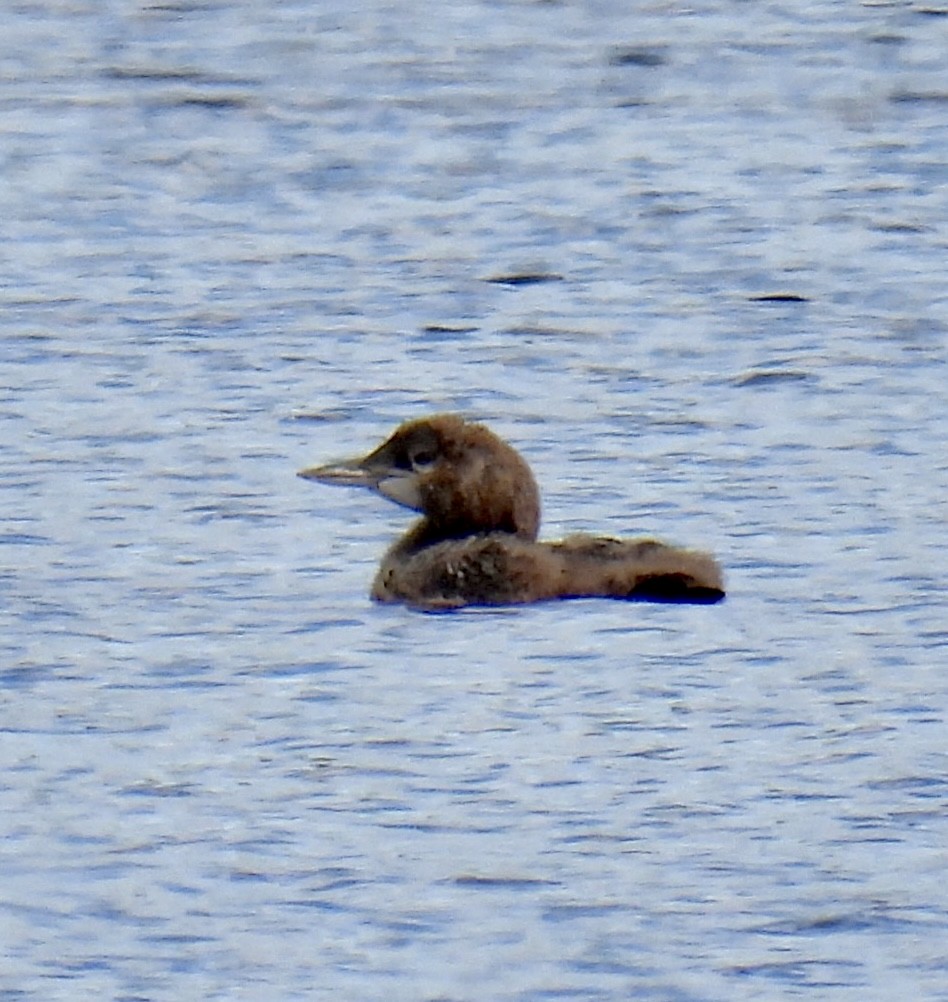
(239, 238)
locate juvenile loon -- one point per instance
(476, 543)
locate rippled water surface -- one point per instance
(239, 237)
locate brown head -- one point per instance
(463, 478)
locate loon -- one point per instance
(476, 543)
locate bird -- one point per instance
(476, 542)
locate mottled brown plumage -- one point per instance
(477, 542)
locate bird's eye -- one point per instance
(423, 459)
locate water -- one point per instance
(239, 238)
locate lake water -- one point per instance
(241, 237)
